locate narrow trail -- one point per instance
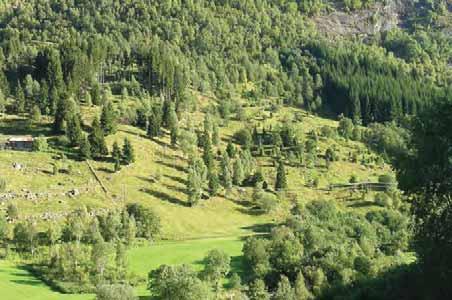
(104, 188)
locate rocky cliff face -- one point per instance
(379, 18)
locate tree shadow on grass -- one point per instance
(174, 166)
(21, 127)
(362, 204)
(260, 228)
(252, 211)
(177, 178)
(165, 197)
(32, 282)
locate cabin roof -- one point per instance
(24, 138)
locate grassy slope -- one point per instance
(218, 217)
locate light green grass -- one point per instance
(144, 259)
(18, 284)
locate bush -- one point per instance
(267, 202)
(243, 137)
(115, 292)
(40, 144)
(382, 199)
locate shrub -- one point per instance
(40, 144)
(243, 137)
(382, 199)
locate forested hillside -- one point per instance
(226, 149)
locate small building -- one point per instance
(21, 143)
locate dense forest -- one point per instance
(390, 91)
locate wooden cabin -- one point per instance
(20, 143)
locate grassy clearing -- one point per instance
(144, 259)
(18, 284)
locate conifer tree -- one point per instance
(128, 154)
(207, 155)
(20, 100)
(239, 174)
(226, 176)
(73, 130)
(284, 291)
(108, 118)
(85, 148)
(230, 149)
(154, 124)
(214, 183)
(281, 181)
(116, 154)
(174, 133)
(97, 140)
(194, 186)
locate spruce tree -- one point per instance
(73, 130)
(194, 186)
(108, 118)
(116, 154)
(230, 149)
(214, 183)
(97, 140)
(281, 181)
(239, 174)
(128, 154)
(85, 148)
(174, 133)
(226, 176)
(20, 100)
(207, 155)
(60, 114)
(154, 124)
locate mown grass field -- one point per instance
(144, 259)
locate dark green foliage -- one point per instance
(97, 140)
(426, 173)
(128, 154)
(85, 148)
(117, 155)
(74, 131)
(148, 222)
(281, 181)
(216, 266)
(108, 118)
(346, 128)
(322, 243)
(214, 183)
(243, 137)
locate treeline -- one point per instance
(160, 49)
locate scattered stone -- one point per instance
(73, 193)
(17, 166)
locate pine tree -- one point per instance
(20, 100)
(214, 183)
(154, 124)
(116, 154)
(281, 181)
(174, 133)
(194, 186)
(226, 177)
(73, 130)
(239, 174)
(97, 140)
(207, 155)
(215, 135)
(108, 118)
(85, 148)
(60, 115)
(128, 154)
(230, 149)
